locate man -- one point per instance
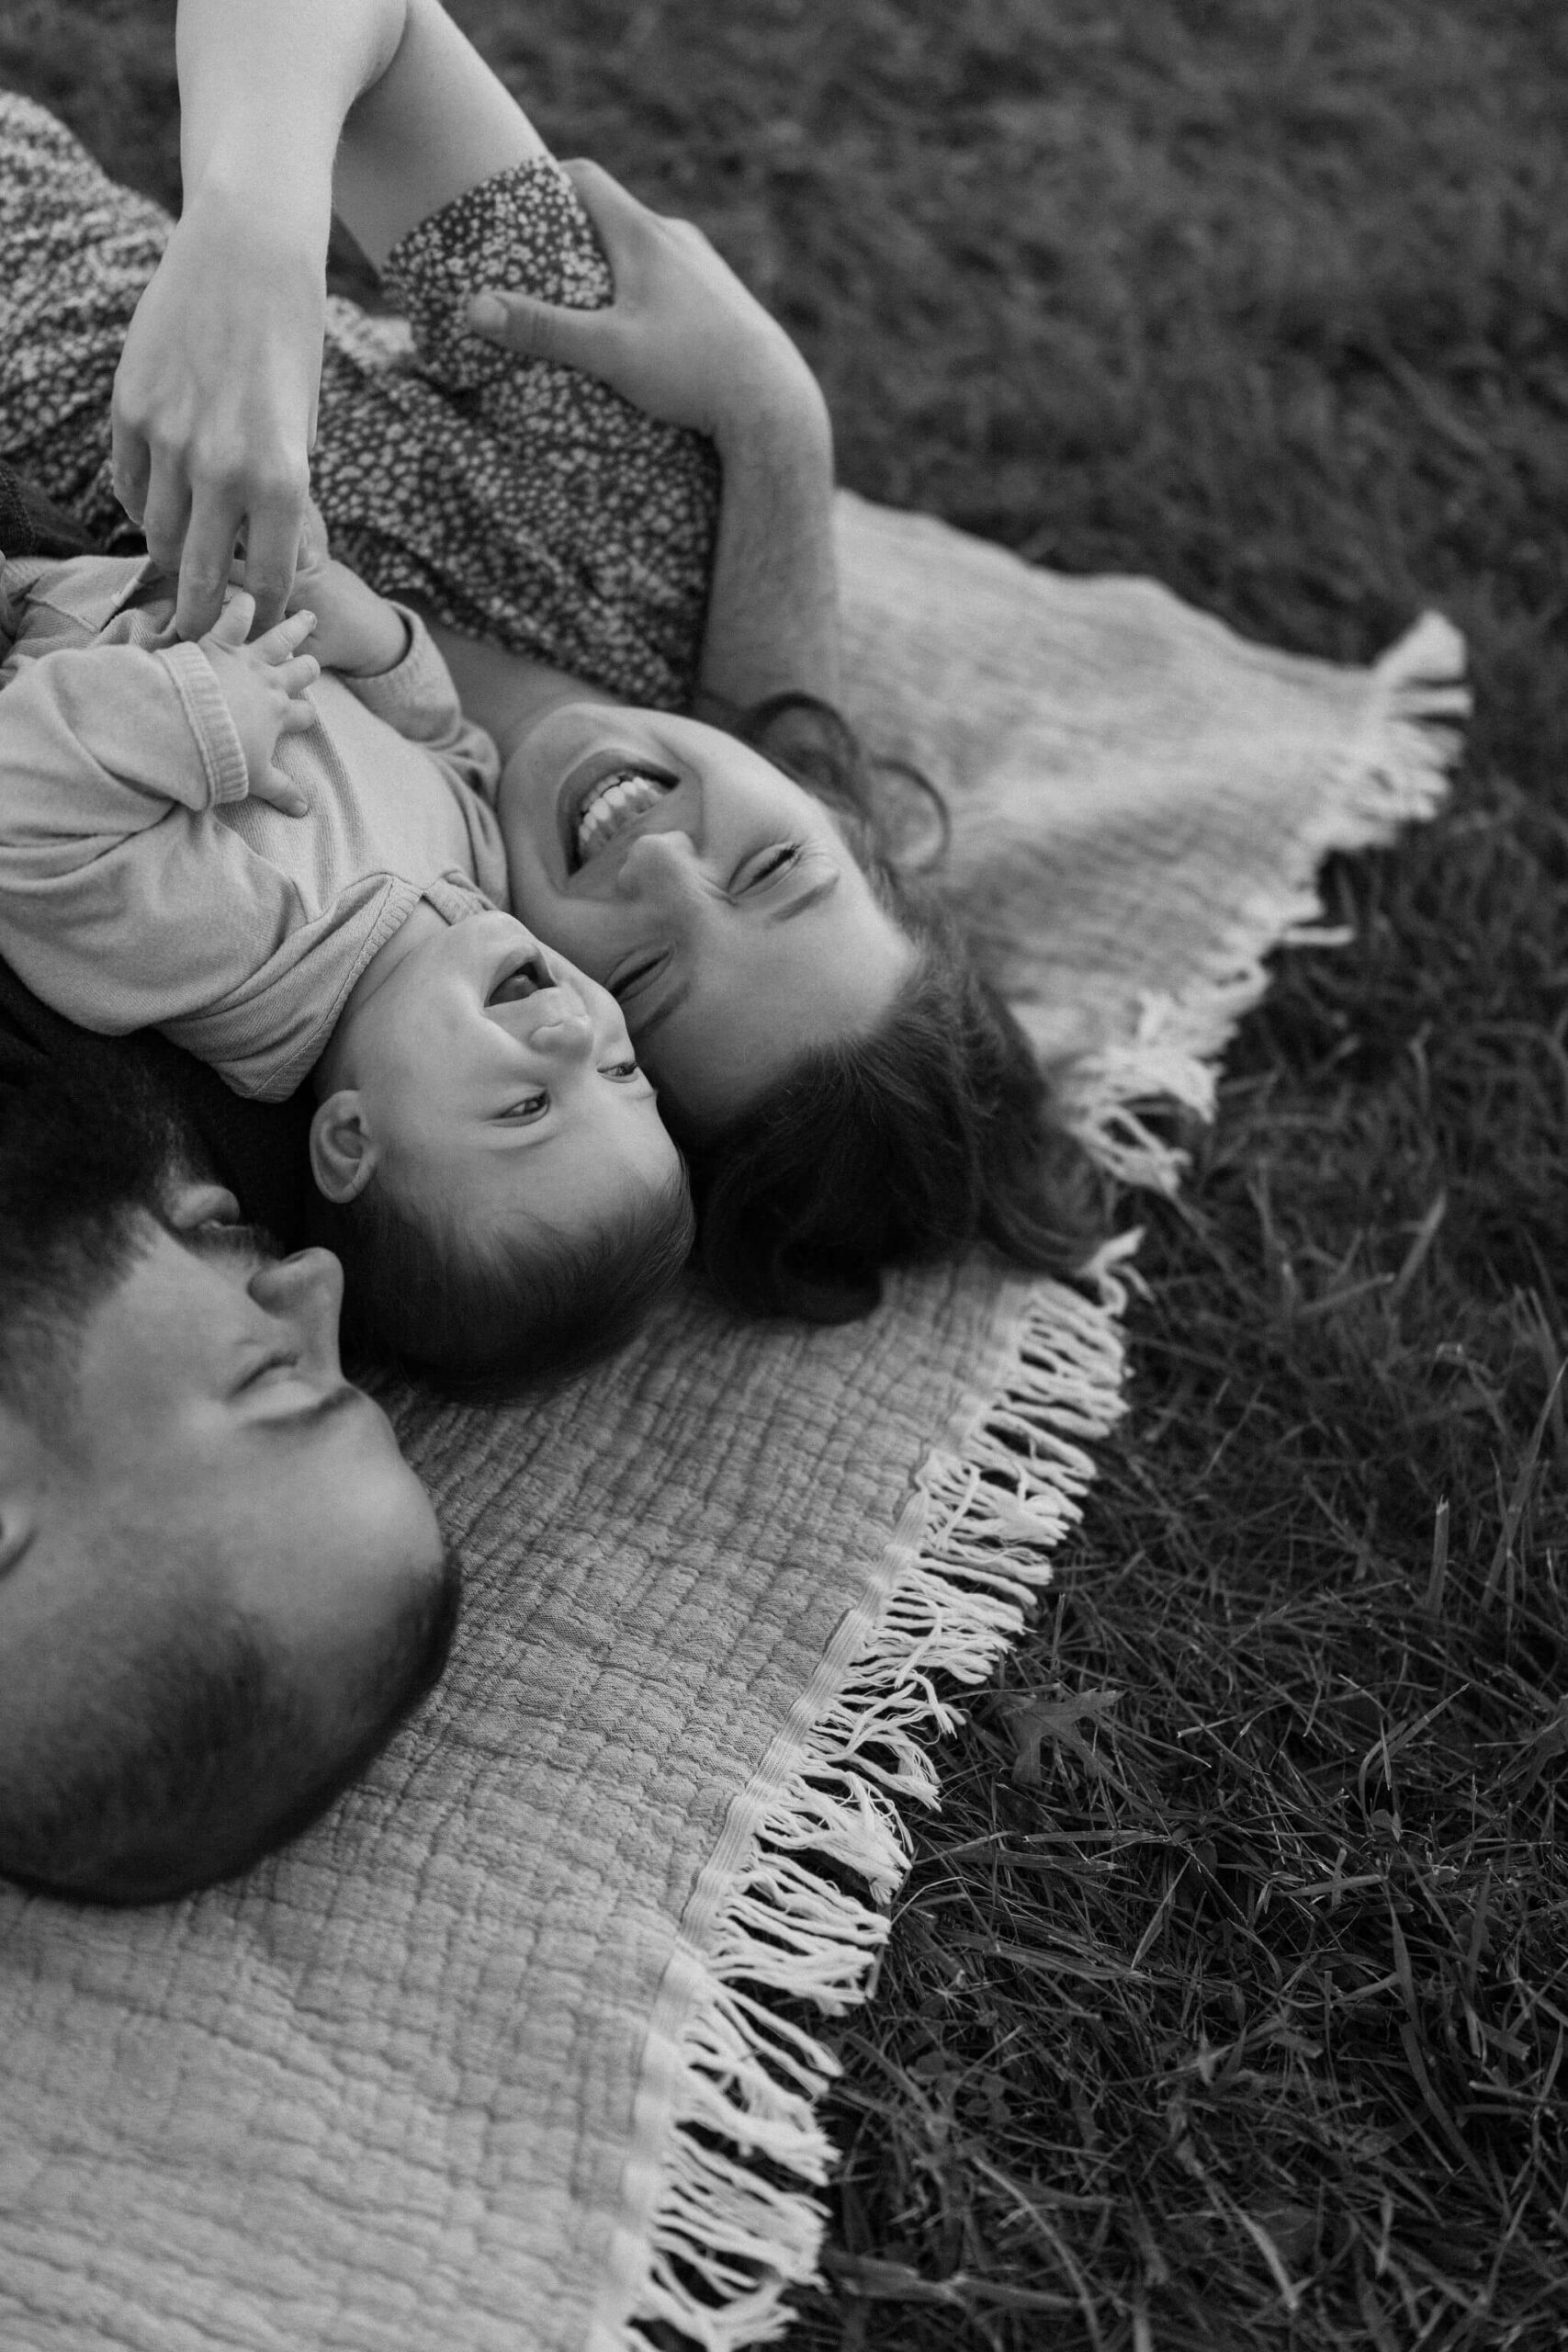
(220, 1585)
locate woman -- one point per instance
(851, 1095)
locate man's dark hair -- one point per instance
(486, 1316)
(84, 1170)
(184, 1757)
(933, 1132)
(190, 1756)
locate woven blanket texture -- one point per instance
(481, 2061)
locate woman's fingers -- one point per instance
(204, 558)
(233, 624)
(275, 530)
(536, 330)
(570, 338)
(608, 205)
(131, 468)
(285, 638)
(164, 519)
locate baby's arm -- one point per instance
(416, 695)
(387, 658)
(115, 904)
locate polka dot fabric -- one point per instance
(517, 500)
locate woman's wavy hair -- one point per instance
(933, 1132)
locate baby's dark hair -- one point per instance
(933, 1132)
(487, 1315)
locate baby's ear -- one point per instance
(343, 1152)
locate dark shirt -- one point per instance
(257, 1149)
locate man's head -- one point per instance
(221, 1586)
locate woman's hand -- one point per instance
(263, 684)
(214, 408)
(682, 339)
(357, 632)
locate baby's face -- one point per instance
(497, 1078)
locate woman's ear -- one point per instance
(343, 1152)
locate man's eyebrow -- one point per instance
(817, 891)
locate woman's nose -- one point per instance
(661, 866)
(308, 1288)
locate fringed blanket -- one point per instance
(489, 2058)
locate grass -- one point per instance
(1228, 2004)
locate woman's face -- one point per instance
(714, 899)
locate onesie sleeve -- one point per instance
(417, 696)
(101, 740)
(124, 902)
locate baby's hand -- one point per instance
(357, 632)
(263, 686)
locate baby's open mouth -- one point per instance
(525, 980)
(612, 803)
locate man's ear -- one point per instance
(343, 1152)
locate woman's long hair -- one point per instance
(933, 1132)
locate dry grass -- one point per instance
(1227, 2006)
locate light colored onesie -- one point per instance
(140, 887)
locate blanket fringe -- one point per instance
(734, 2225)
(1393, 772)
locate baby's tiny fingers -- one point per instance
(286, 635)
(297, 715)
(282, 793)
(302, 670)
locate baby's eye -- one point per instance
(620, 1070)
(531, 1107)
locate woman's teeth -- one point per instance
(612, 806)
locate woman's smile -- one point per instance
(601, 798)
(711, 892)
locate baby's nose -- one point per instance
(567, 1034)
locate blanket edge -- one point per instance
(1393, 772)
(710, 2239)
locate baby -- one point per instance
(290, 862)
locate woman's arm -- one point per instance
(215, 401)
(685, 339)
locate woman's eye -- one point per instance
(621, 1071)
(532, 1106)
(773, 861)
